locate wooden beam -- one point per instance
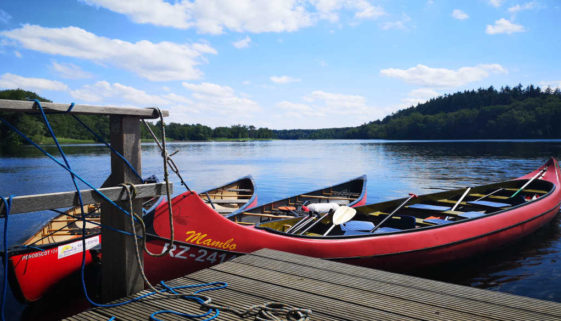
(120, 272)
(29, 106)
(41, 202)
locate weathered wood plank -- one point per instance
(426, 297)
(120, 272)
(347, 294)
(29, 106)
(334, 307)
(333, 291)
(494, 297)
(40, 202)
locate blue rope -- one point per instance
(74, 175)
(8, 206)
(62, 165)
(221, 285)
(69, 108)
(99, 138)
(67, 167)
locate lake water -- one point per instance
(284, 168)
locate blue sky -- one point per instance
(275, 63)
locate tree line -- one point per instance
(67, 128)
(489, 113)
(472, 114)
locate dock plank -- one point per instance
(333, 291)
(476, 308)
(498, 298)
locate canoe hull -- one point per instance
(33, 272)
(203, 233)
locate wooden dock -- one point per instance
(334, 291)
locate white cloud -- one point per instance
(321, 109)
(419, 96)
(441, 77)
(162, 61)
(244, 43)
(556, 84)
(503, 26)
(17, 54)
(397, 24)
(4, 16)
(338, 103)
(214, 16)
(284, 79)
(69, 71)
(219, 99)
(11, 81)
(297, 110)
(459, 14)
(527, 6)
(496, 3)
(103, 91)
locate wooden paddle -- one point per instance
(341, 216)
(411, 195)
(528, 182)
(461, 198)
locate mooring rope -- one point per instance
(113, 150)
(171, 163)
(270, 311)
(168, 190)
(7, 208)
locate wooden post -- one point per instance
(120, 272)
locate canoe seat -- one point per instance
(490, 204)
(357, 226)
(437, 221)
(461, 214)
(381, 230)
(429, 207)
(471, 214)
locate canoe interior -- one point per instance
(342, 194)
(425, 211)
(68, 226)
(230, 197)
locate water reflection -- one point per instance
(285, 168)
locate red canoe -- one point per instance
(55, 251)
(232, 197)
(429, 229)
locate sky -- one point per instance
(280, 64)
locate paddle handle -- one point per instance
(411, 195)
(530, 181)
(329, 230)
(461, 198)
(313, 224)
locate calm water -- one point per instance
(283, 168)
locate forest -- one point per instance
(68, 129)
(507, 113)
(513, 113)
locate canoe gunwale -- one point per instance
(542, 198)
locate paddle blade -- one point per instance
(343, 214)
